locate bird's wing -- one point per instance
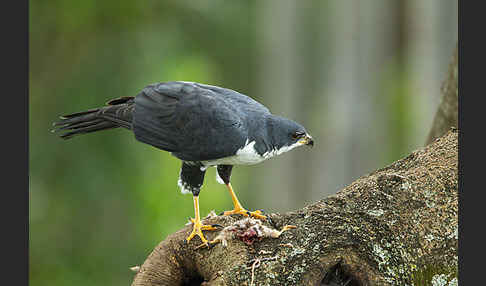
(192, 122)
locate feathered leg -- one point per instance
(191, 180)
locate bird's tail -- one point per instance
(116, 114)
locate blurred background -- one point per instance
(363, 77)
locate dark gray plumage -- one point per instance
(195, 122)
(202, 125)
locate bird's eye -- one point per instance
(297, 135)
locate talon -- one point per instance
(197, 230)
(238, 209)
(256, 214)
(198, 227)
(208, 227)
(216, 225)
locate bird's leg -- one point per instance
(198, 227)
(224, 173)
(191, 178)
(238, 209)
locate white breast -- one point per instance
(247, 155)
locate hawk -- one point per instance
(203, 126)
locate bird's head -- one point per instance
(288, 134)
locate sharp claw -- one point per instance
(197, 229)
(222, 213)
(256, 214)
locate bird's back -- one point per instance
(240, 101)
(194, 121)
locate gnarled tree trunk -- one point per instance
(392, 226)
(395, 226)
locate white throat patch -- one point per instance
(247, 155)
(276, 152)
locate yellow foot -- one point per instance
(242, 211)
(197, 229)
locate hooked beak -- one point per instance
(307, 140)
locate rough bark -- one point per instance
(446, 115)
(395, 226)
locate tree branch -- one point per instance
(392, 226)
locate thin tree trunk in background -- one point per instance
(446, 116)
(421, 54)
(428, 60)
(349, 105)
(336, 136)
(278, 69)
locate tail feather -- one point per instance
(90, 128)
(79, 125)
(96, 119)
(77, 114)
(76, 118)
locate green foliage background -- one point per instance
(99, 203)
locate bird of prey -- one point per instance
(203, 126)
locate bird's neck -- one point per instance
(273, 131)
